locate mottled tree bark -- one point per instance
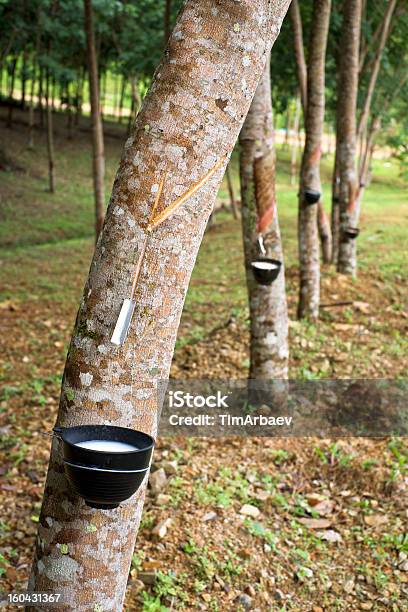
(98, 166)
(190, 119)
(269, 350)
(348, 185)
(309, 260)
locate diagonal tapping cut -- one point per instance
(126, 312)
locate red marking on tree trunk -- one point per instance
(266, 219)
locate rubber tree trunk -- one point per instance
(309, 260)
(348, 186)
(122, 96)
(296, 21)
(323, 225)
(294, 143)
(31, 107)
(362, 125)
(325, 235)
(167, 19)
(98, 167)
(335, 209)
(181, 132)
(12, 74)
(233, 202)
(50, 137)
(269, 350)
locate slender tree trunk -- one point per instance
(348, 186)
(69, 112)
(137, 101)
(324, 229)
(233, 201)
(122, 96)
(23, 79)
(167, 19)
(31, 107)
(97, 129)
(325, 234)
(335, 209)
(40, 97)
(362, 125)
(297, 28)
(115, 96)
(309, 260)
(79, 96)
(103, 384)
(287, 126)
(364, 171)
(294, 145)
(11, 93)
(50, 137)
(267, 303)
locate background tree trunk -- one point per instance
(12, 74)
(122, 96)
(294, 144)
(269, 349)
(335, 209)
(50, 136)
(362, 124)
(348, 186)
(106, 384)
(233, 202)
(325, 234)
(167, 19)
(31, 117)
(309, 260)
(98, 169)
(296, 21)
(323, 225)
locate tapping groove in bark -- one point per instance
(217, 50)
(98, 158)
(309, 260)
(269, 350)
(348, 185)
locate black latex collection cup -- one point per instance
(105, 478)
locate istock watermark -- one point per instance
(321, 408)
(180, 399)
